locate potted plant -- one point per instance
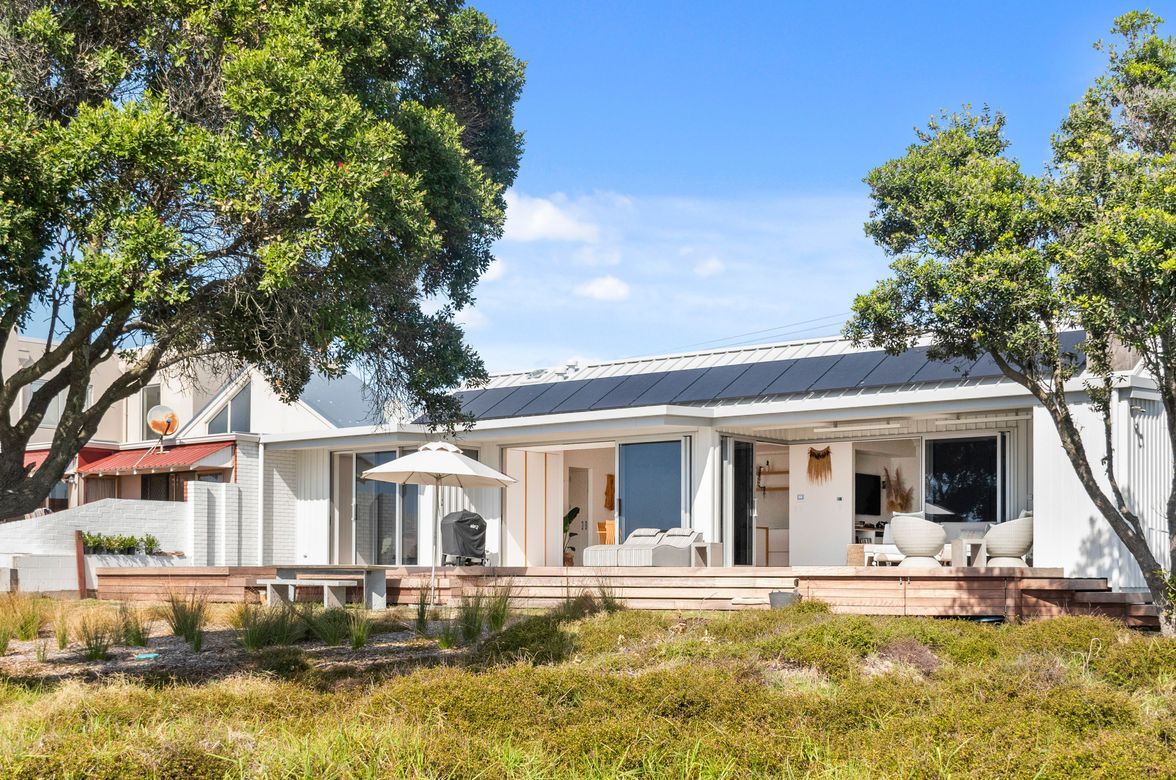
(569, 552)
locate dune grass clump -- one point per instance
(470, 615)
(133, 626)
(186, 615)
(24, 614)
(264, 626)
(421, 612)
(96, 633)
(330, 626)
(498, 606)
(359, 626)
(61, 628)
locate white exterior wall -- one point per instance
(281, 506)
(821, 515)
(53, 534)
(312, 494)
(1068, 530)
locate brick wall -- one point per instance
(54, 534)
(281, 473)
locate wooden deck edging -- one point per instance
(1011, 594)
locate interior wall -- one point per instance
(821, 515)
(772, 506)
(901, 455)
(599, 463)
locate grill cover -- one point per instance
(463, 537)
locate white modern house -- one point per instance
(785, 455)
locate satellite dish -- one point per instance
(162, 420)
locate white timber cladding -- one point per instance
(281, 505)
(248, 478)
(312, 493)
(1068, 530)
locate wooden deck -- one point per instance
(1011, 594)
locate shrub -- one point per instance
(262, 626)
(186, 615)
(498, 606)
(329, 626)
(133, 626)
(359, 625)
(283, 661)
(96, 634)
(116, 544)
(421, 617)
(469, 616)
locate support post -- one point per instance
(80, 559)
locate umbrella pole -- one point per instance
(436, 532)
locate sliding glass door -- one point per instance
(386, 515)
(650, 490)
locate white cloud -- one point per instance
(471, 319)
(604, 288)
(494, 271)
(709, 267)
(545, 219)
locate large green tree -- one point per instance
(992, 259)
(289, 184)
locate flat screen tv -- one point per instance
(867, 494)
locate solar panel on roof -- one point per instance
(849, 371)
(478, 406)
(798, 378)
(556, 394)
(628, 391)
(758, 376)
(710, 384)
(466, 397)
(938, 370)
(523, 395)
(592, 391)
(670, 386)
(897, 369)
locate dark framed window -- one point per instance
(963, 479)
(235, 416)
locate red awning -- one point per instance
(178, 457)
(35, 458)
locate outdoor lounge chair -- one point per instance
(1008, 543)
(918, 539)
(607, 554)
(672, 549)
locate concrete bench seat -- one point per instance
(333, 580)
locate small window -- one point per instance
(149, 396)
(234, 416)
(52, 410)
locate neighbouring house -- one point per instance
(784, 454)
(208, 470)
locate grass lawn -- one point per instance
(585, 692)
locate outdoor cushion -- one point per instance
(608, 554)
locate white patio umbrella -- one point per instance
(439, 464)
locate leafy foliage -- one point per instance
(117, 544)
(989, 259)
(289, 184)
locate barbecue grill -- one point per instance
(463, 539)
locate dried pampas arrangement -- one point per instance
(898, 496)
(820, 465)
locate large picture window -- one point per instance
(963, 479)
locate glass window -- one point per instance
(239, 421)
(650, 486)
(149, 396)
(52, 410)
(220, 422)
(234, 416)
(375, 511)
(963, 479)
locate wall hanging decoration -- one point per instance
(610, 491)
(820, 465)
(899, 497)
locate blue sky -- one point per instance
(693, 169)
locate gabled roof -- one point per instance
(726, 376)
(342, 401)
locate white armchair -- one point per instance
(1008, 543)
(918, 539)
